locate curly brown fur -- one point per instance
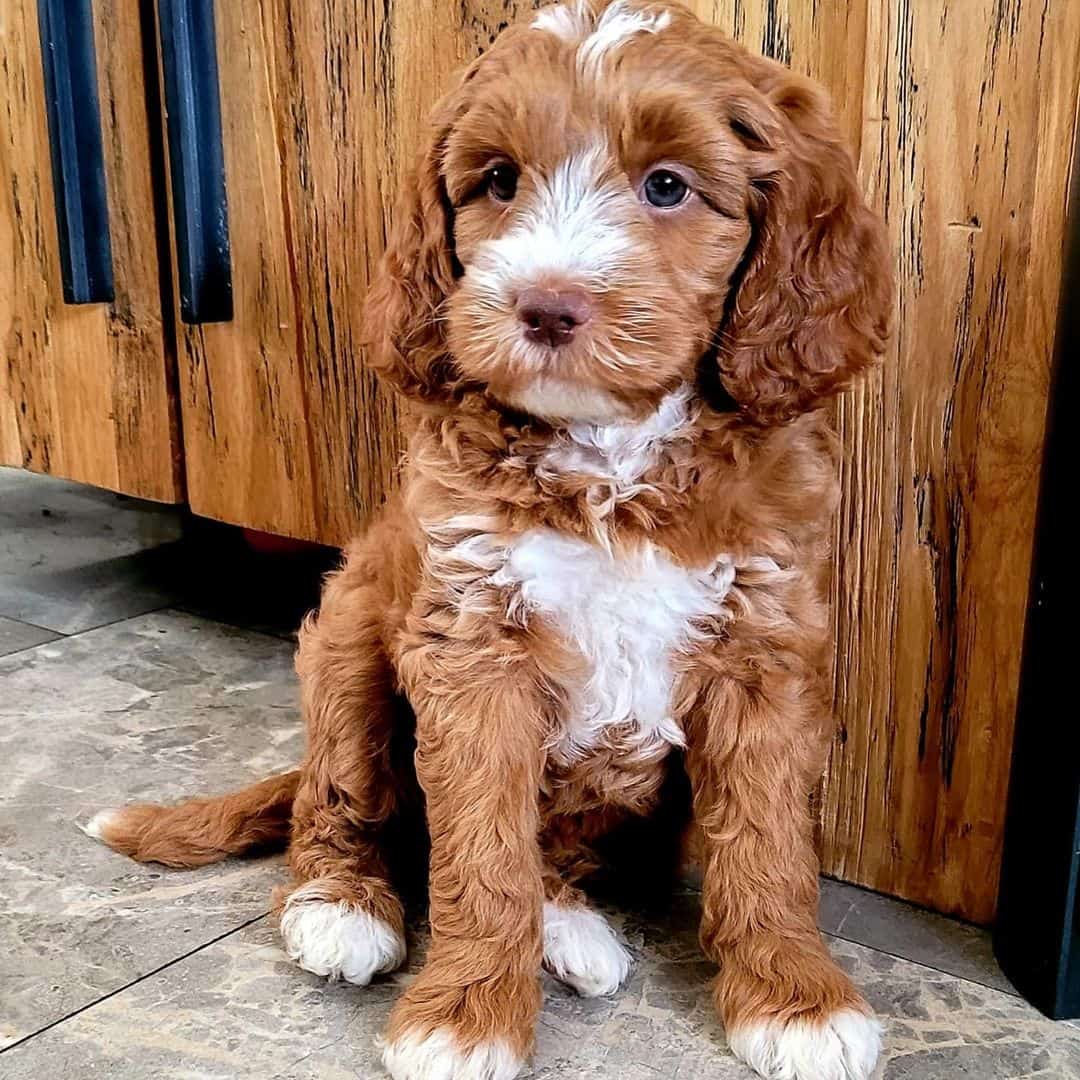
(676, 444)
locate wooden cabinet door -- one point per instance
(285, 429)
(968, 126)
(85, 389)
(961, 118)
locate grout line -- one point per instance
(30, 648)
(178, 607)
(32, 625)
(134, 982)
(1011, 992)
(69, 636)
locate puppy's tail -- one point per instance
(201, 831)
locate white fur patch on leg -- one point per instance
(336, 939)
(98, 825)
(581, 950)
(845, 1046)
(438, 1057)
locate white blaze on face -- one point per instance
(573, 226)
(572, 231)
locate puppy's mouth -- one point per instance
(558, 361)
(566, 378)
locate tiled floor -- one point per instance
(137, 664)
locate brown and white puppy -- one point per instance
(632, 266)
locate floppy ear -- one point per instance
(404, 326)
(811, 308)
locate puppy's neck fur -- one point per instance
(623, 451)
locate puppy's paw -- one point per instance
(842, 1046)
(581, 950)
(338, 939)
(438, 1056)
(470, 1014)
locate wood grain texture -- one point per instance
(824, 40)
(962, 115)
(85, 391)
(969, 119)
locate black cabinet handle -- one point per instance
(78, 162)
(196, 159)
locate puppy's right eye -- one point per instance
(665, 190)
(501, 181)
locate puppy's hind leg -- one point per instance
(341, 917)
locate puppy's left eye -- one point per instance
(664, 189)
(501, 182)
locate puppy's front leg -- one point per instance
(471, 1012)
(756, 746)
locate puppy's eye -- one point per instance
(502, 182)
(664, 189)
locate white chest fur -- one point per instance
(628, 617)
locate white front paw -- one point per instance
(581, 950)
(438, 1057)
(843, 1046)
(338, 940)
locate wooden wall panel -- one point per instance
(969, 118)
(85, 392)
(254, 390)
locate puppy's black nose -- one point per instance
(552, 316)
